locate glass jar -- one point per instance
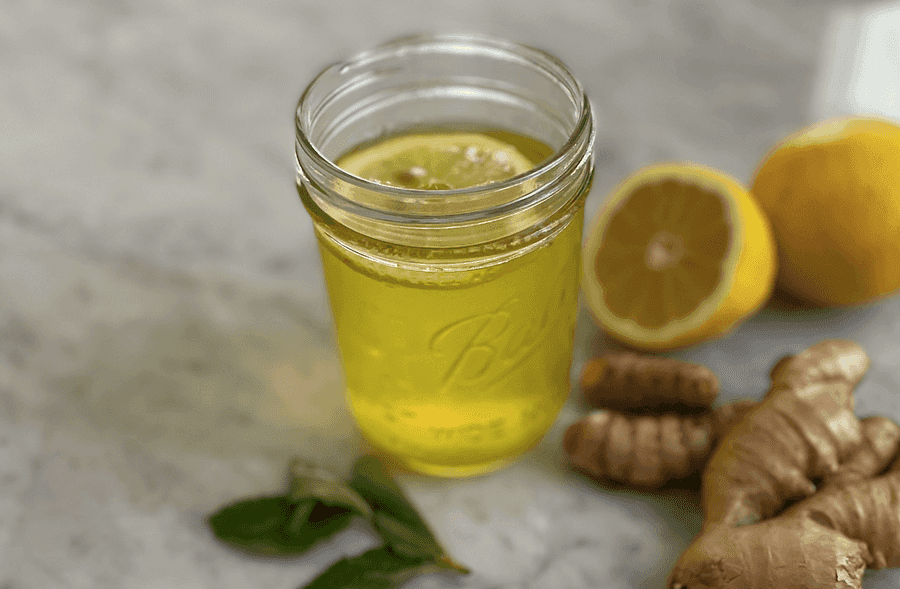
(454, 310)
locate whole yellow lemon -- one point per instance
(832, 195)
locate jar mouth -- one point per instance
(467, 75)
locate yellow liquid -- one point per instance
(456, 373)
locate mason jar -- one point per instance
(454, 309)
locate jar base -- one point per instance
(450, 471)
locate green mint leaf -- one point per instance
(298, 519)
(394, 517)
(406, 540)
(379, 568)
(316, 506)
(312, 482)
(267, 526)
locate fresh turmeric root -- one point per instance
(648, 451)
(804, 430)
(654, 423)
(626, 381)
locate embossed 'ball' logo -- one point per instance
(484, 348)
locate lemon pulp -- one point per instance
(651, 243)
(678, 254)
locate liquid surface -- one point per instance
(437, 161)
(456, 376)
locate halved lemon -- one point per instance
(677, 254)
(437, 161)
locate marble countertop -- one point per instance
(165, 343)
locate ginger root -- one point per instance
(826, 540)
(648, 451)
(804, 430)
(626, 381)
(802, 442)
(881, 441)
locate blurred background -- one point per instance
(165, 340)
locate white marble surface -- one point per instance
(165, 344)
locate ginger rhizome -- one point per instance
(801, 446)
(880, 444)
(827, 540)
(626, 381)
(802, 432)
(648, 451)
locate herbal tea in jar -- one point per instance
(445, 177)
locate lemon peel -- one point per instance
(832, 193)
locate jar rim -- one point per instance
(546, 61)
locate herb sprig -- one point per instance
(318, 505)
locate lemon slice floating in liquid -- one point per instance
(437, 161)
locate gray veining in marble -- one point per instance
(165, 344)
